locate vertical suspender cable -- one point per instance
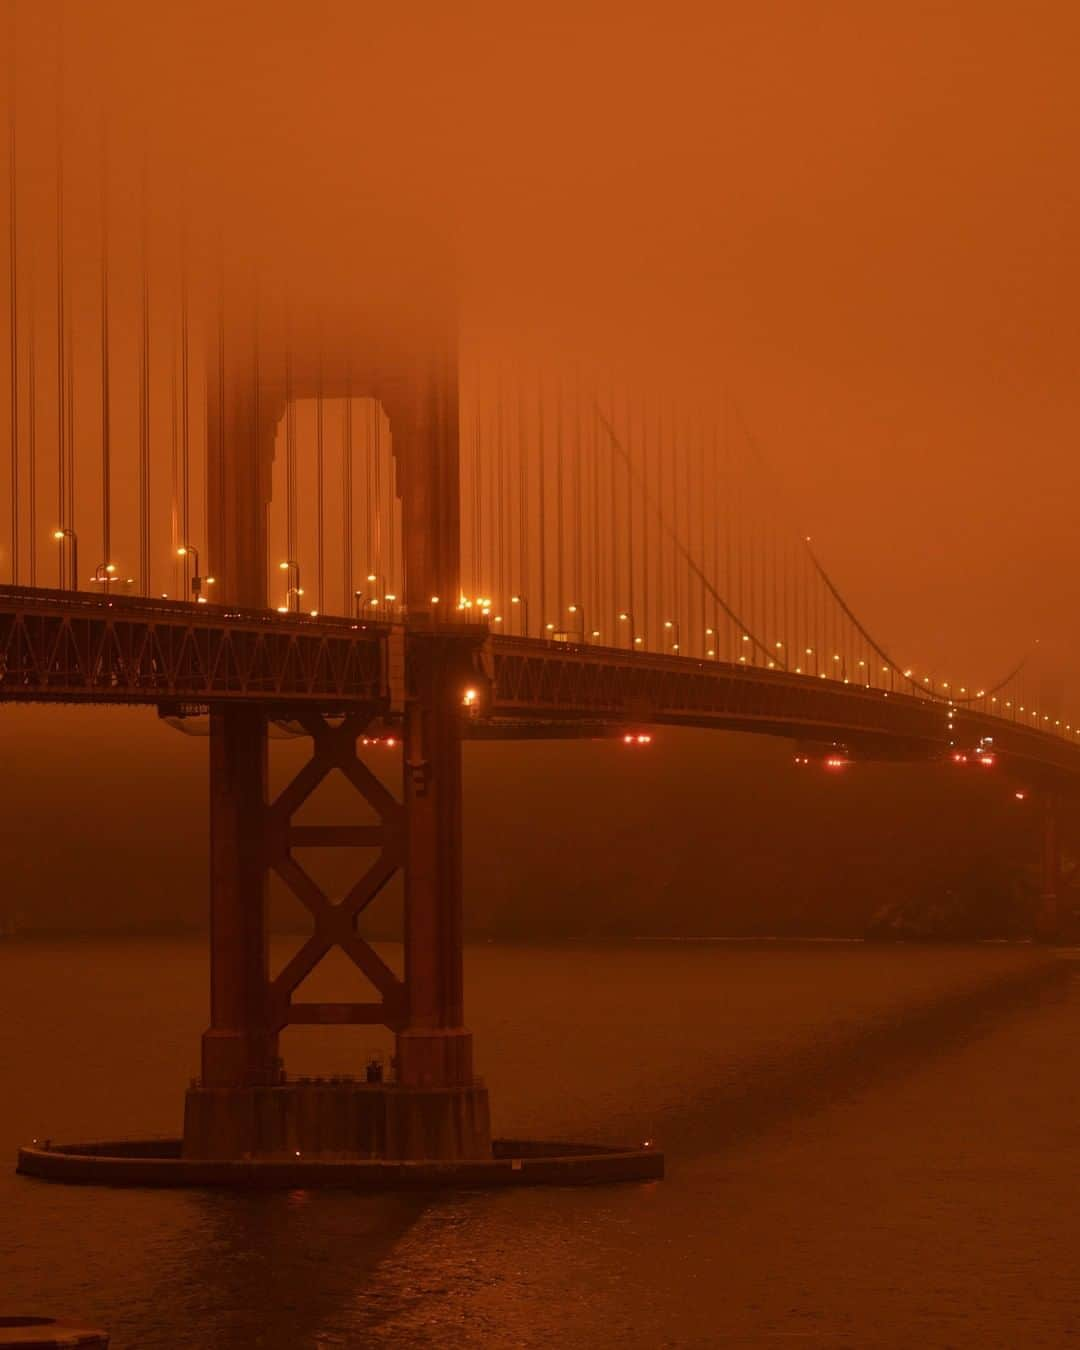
(644, 616)
(579, 502)
(479, 581)
(221, 437)
(492, 532)
(290, 452)
(714, 499)
(31, 429)
(594, 561)
(395, 564)
(499, 495)
(560, 505)
(777, 594)
(369, 491)
(320, 492)
(682, 575)
(523, 507)
(376, 455)
(185, 405)
(179, 570)
(144, 400)
(542, 533)
(69, 396)
(660, 539)
(254, 464)
(729, 520)
(14, 301)
(106, 468)
(347, 499)
(630, 506)
(615, 599)
(61, 382)
(809, 636)
(702, 482)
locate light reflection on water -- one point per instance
(866, 1147)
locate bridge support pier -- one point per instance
(244, 1105)
(240, 1047)
(434, 1050)
(1049, 916)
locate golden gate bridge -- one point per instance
(226, 504)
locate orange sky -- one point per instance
(857, 220)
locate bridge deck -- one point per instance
(61, 646)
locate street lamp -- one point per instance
(380, 586)
(626, 617)
(292, 570)
(673, 628)
(60, 535)
(579, 611)
(521, 601)
(713, 650)
(103, 573)
(184, 551)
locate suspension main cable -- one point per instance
(881, 652)
(849, 613)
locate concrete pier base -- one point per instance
(338, 1120)
(513, 1162)
(47, 1333)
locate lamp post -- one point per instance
(673, 628)
(103, 573)
(184, 551)
(358, 604)
(523, 603)
(625, 616)
(293, 590)
(380, 586)
(60, 536)
(579, 613)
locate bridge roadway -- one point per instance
(81, 647)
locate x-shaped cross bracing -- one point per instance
(334, 747)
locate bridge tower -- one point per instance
(244, 1104)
